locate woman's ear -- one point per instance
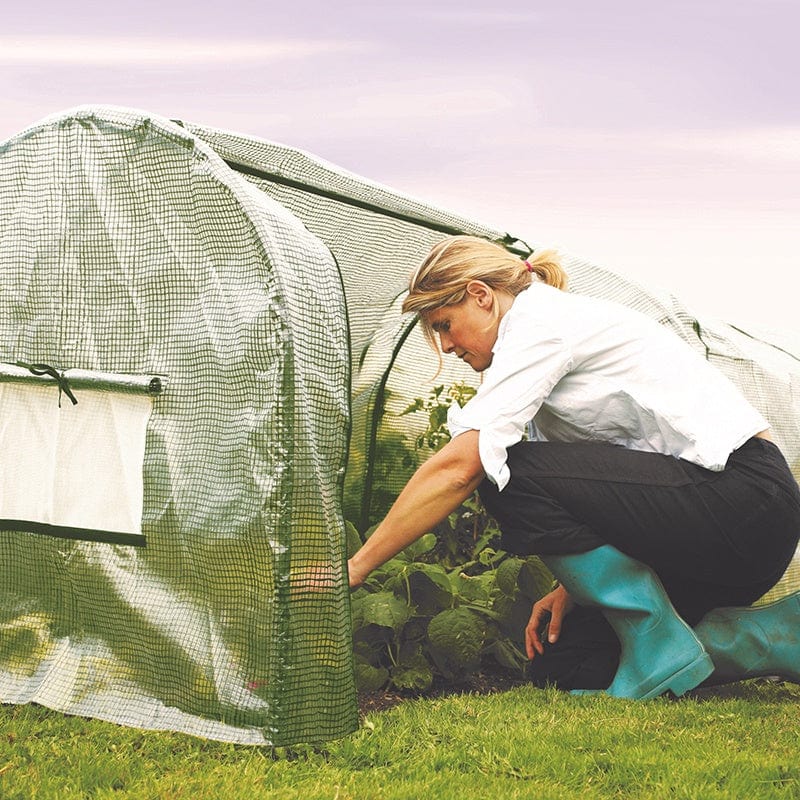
(481, 293)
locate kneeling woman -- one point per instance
(647, 483)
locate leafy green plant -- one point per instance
(451, 603)
(414, 621)
(437, 405)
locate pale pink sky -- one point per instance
(659, 138)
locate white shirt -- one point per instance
(583, 369)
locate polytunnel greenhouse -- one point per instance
(204, 373)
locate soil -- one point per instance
(491, 682)
(487, 682)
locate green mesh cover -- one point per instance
(138, 246)
(127, 246)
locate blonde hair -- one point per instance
(442, 278)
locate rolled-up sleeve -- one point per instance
(528, 362)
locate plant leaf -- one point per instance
(473, 588)
(507, 655)
(369, 678)
(383, 609)
(430, 588)
(506, 574)
(414, 673)
(534, 580)
(456, 639)
(423, 545)
(352, 538)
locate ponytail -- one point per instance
(546, 266)
(442, 278)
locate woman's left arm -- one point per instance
(435, 490)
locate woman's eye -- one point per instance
(444, 327)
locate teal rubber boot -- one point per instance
(660, 652)
(753, 642)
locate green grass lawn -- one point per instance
(740, 742)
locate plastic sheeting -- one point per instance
(127, 246)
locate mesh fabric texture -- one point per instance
(127, 245)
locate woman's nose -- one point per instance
(446, 343)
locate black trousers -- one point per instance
(714, 538)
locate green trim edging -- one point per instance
(66, 532)
(510, 242)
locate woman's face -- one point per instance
(468, 329)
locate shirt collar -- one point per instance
(504, 322)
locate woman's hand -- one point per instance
(314, 578)
(354, 576)
(557, 604)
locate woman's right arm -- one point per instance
(435, 490)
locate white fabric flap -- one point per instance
(77, 466)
